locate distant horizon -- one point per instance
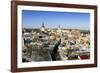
(60, 28)
(67, 20)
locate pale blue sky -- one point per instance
(71, 20)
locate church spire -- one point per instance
(43, 24)
(42, 27)
(59, 26)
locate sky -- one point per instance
(52, 19)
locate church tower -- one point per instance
(42, 27)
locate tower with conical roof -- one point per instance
(42, 27)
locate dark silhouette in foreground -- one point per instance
(55, 50)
